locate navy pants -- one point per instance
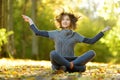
(79, 62)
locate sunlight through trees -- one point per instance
(95, 15)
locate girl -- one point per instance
(65, 40)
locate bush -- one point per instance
(3, 37)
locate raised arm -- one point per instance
(97, 37)
(34, 28)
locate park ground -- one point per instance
(25, 69)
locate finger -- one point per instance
(108, 27)
(23, 16)
(26, 20)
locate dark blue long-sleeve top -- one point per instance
(65, 40)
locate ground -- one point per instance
(20, 69)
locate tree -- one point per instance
(10, 45)
(4, 24)
(0, 13)
(112, 15)
(34, 38)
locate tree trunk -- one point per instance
(34, 40)
(1, 19)
(4, 24)
(4, 13)
(24, 7)
(10, 28)
(0, 13)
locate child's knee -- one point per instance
(52, 53)
(92, 53)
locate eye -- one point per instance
(68, 19)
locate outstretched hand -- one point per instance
(27, 19)
(106, 29)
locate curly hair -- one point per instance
(72, 17)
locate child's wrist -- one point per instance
(31, 22)
(103, 31)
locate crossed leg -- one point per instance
(58, 60)
(78, 63)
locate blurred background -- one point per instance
(18, 41)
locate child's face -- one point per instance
(65, 23)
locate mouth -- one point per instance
(64, 24)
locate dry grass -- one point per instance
(19, 69)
